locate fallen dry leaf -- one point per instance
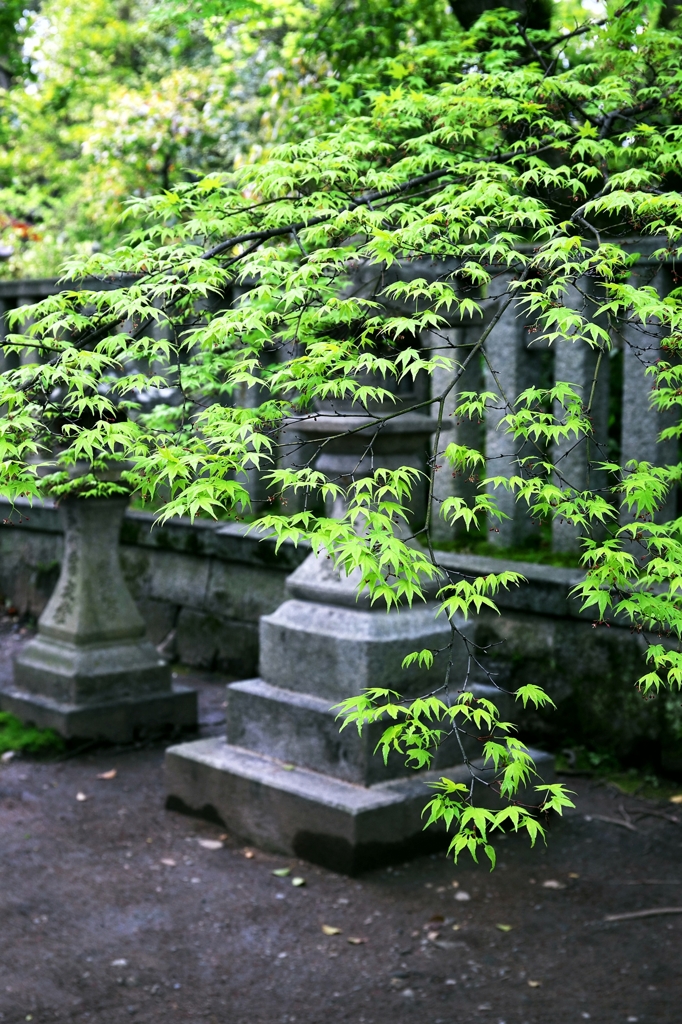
(108, 775)
(249, 854)
(354, 941)
(535, 984)
(504, 927)
(298, 881)
(552, 883)
(329, 929)
(210, 844)
(168, 861)
(282, 872)
(223, 837)
(573, 874)
(81, 797)
(677, 799)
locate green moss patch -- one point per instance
(14, 735)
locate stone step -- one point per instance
(303, 729)
(307, 814)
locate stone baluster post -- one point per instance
(641, 424)
(515, 367)
(5, 358)
(578, 363)
(250, 397)
(455, 343)
(28, 355)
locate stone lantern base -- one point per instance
(90, 673)
(120, 721)
(283, 777)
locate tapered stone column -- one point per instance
(90, 672)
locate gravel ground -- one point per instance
(113, 910)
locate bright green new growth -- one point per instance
(499, 168)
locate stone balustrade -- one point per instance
(625, 426)
(614, 386)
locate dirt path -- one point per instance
(112, 910)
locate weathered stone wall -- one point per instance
(589, 670)
(201, 587)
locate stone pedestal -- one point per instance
(284, 777)
(90, 672)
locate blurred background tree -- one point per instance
(101, 100)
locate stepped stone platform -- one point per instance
(292, 810)
(284, 777)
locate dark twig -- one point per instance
(653, 912)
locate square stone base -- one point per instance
(119, 721)
(299, 812)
